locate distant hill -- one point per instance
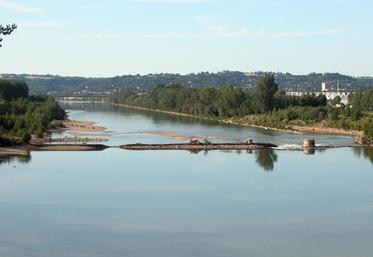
(66, 85)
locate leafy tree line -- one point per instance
(225, 101)
(357, 115)
(362, 100)
(22, 116)
(362, 108)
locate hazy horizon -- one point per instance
(92, 38)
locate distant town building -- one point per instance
(326, 89)
(323, 87)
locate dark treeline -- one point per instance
(225, 101)
(13, 89)
(22, 116)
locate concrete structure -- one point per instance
(325, 90)
(309, 143)
(342, 95)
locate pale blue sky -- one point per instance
(113, 37)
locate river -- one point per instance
(177, 203)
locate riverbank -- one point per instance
(68, 147)
(24, 150)
(317, 129)
(79, 131)
(81, 126)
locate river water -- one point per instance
(178, 204)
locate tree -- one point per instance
(336, 100)
(13, 89)
(228, 100)
(6, 30)
(266, 89)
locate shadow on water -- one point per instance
(366, 152)
(6, 160)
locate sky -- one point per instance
(115, 37)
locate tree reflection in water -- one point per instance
(266, 158)
(10, 159)
(366, 152)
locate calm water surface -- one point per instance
(177, 204)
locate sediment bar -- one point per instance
(25, 150)
(14, 151)
(68, 147)
(188, 146)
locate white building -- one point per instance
(330, 95)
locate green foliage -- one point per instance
(228, 100)
(265, 93)
(363, 100)
(6, 30)
(225, 101)
(56, 124)
(336, 100)
(22, 116)
(285, 118)
(13, 89)
(284, 101)
(333, 114)
(368, 130)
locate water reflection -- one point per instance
(164, 203)
(366, 152)
(161, 118)
(309, 151)
(266, 158)
(6, 160)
